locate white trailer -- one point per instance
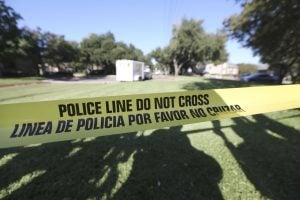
(129, 70)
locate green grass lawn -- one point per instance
(42, 92)
(24, 80)
(255, 157)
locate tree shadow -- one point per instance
(73, 170)
(83, 78)
(290, 117)
(178, 171)
(269, 155)
(215, 84)
(164, 166)
(22, 96)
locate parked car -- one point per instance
(259, 78)
(244, 75)
(147, 74)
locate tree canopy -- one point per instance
(102, 50)
(9, 31)
(60, 50)
(271, 29)
(38, 48)
(189, 45)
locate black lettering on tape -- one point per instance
(78, 109)
(117, 106)
(164, 102)
(31, 129)
(170, 115)
(139, 119)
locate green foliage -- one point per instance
(214, 51)
(102, 50)
(96, 48)
(189, 45)
(9, 32)
(186, 46)
(41, 48)
(58, 50)
(25, 51)
(23, 45)
(271, 29)
(162, 58)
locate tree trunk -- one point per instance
(294, 76)
(177, 67)
(283, 70)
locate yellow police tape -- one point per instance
(50, 121)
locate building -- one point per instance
(222, 71)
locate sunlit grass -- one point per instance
(11, 81)
(26, 179)
(6, 158)
(43, 92)
(255, 157)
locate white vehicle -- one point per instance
(129, 70)
(147, 73)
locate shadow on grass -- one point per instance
(290, 117)
(215, 84)
(269, 155)
(83, 78)
(168, 167)
(162, 165)
(22, 96)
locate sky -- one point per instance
(146, 24)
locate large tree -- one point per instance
(191, 45)
(214, 48)
(19, 46)
(58, 50)
(186, 44)
(98, 50)
(29, 50)
(9, 32)
(19, 51)
(163, 59)
(271, 29)
(103, 50)
(47, 48)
